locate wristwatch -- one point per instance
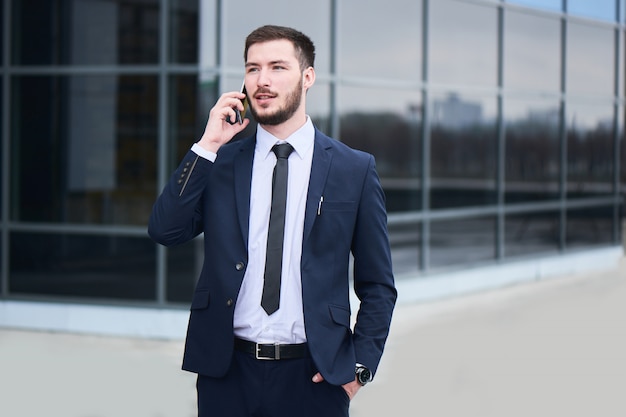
(363, 375)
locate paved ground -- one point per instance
(555, 348)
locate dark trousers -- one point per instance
(260, 388)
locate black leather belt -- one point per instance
(272, 352)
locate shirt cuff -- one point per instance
(203, 153)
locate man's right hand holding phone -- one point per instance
(219, 128)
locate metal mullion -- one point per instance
(616, 130)
(501, 144)
(6, 149)
(161, 253)
(424, 249)
(563, 136)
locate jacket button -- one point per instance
(229, 302)
(239, 266)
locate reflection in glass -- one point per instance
(242, 17)
(184, 263)
(183, 40)
(589, 226)
(554, 5)
(532, 151)
(388, 124)
(463, 151)
(185, 127)
(532, 52)
(590, 59)
(380, 53)
(86, 32)
(590, 149)
(531, 233)
(598, 9)
(103, 267)
(463, 241)
(463, 43)
(95, 139)
(405, 241)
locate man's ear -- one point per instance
(308, 78)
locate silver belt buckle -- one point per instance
(263, 358)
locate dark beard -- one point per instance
(284, 113)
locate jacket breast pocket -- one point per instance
(200, 300)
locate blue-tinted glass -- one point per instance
(405, 240)
(590, 67)
(184, 23)
(92, 141)
(531, 233)
(387, 123)
(241, 17)
(85, 32)
(597, 9)
(103, 267)
(380, 53)
(463, 43)
(532, 149)
(590, 149)
(462, 242)
(463, 150)
(532, 52)
(554, 5)
(588, 227)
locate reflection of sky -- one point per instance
(596, 9)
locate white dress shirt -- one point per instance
(251, 322)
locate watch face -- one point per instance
(364, 376)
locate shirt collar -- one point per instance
(301, 140)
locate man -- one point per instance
(262, 345)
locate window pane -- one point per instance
(589, 227)
(387, 123)
(95, 139)
(532, 52)
(464, 241)
(463, 151)
(598, 9)
(554, 5)
(532, 151)
(104, 267)
(185, 128)
(463, 43)
(380, 53)
(532, 233)
(590, 149)
(183, 47)
(85, 32)
(244, 16)
(405, 241)
(590, 59)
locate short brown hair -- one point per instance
(305, 50)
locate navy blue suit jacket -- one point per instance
(214, 199)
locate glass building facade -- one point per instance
(497, 128)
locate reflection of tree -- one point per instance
(468, 153)
(393, 139)
(532, 151)
(590, 154)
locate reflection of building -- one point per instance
(456, 113)
(491, 148)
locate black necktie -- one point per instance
(276, 230)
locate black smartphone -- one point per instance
(240, 114)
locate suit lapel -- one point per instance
(243, 178)
(322, 157)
